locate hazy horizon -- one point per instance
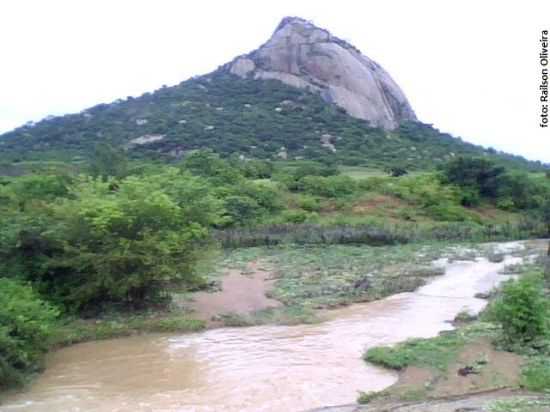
(469, 69)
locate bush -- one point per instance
(447, 213)
(521, 310)
(478, 174)
(121, 242)
(240, 209)
(535, 375)
(295, 216)
(315, 169)
(397, 171)
(470, 198)
(333, 186)
(309, 203)
(248, 202)
(26, 322)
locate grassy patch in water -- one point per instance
(435, 353)
(291, 315)
(317, 276)
(79, 330)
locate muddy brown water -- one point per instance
(263, 368)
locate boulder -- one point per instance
(303, 55)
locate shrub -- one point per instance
(535, 375)
(470, 198)
(479, 174)
(241, 209)
(521, 310)
(107, 161)
(309, 203)
(119, 242)
(315, 169)
(246, 203)
(257, 169)
(295, 216)
(208, 164)
(447, 213)
(26, 322)
(397, 171)
(333, 186)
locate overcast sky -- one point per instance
(469, 67)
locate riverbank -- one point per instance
(470, 368)
(284, 285)
(205, 371)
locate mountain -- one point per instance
(304, 94)
(303, 55)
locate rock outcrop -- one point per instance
(303, 55)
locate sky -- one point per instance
(470, 68)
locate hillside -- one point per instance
(304, 94)
(255, 118)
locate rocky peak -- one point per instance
(303, 55)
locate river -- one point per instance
(262, 368)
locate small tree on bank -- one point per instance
(522, 310)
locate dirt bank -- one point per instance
(501, 400)
(481, 379)
(241, 292)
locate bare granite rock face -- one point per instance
(305, 56)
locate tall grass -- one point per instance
(375, 234)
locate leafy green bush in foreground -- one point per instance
(26, 323)
(536, 374)
(113, 242)
(522, 310)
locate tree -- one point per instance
(126, 245)
(208, 164)
(397, 171)
(241, 209)
(106, 161)
(26, 322)
(544, 212)
(480, 174)
(522, 310)
(32, 188)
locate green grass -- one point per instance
(367, 397)
(535, 375)
(327, 276)
(73, 331)
(288, 315)
(318, 276)
(434, 353)
(361, 172)
(519, 404)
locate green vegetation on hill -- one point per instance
(253, 118)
